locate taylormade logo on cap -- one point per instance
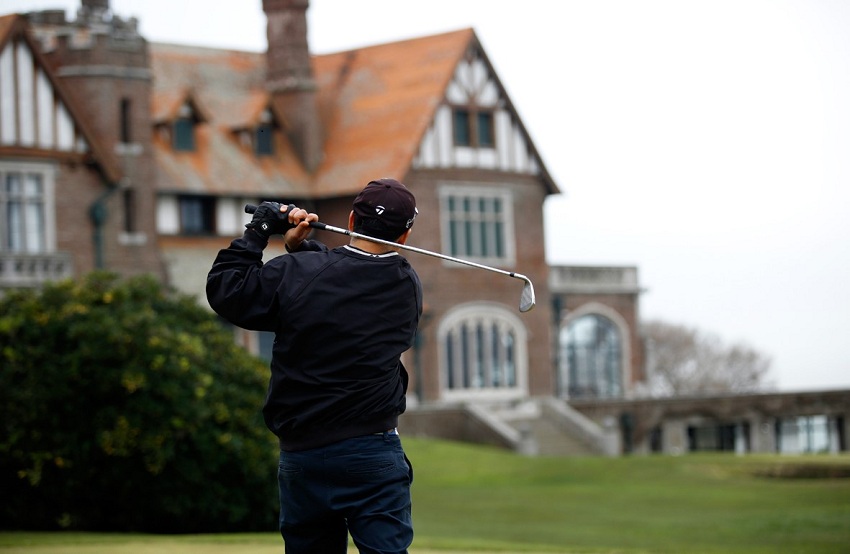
(389, 201)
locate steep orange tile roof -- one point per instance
(166, 106)
(377, 103)
(230, 85)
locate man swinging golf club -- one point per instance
(341, 318)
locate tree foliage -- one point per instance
(685, 361)
(124, 406)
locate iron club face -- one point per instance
(527, 300)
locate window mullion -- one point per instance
(450, 359)
(499, 354)
(457, 365)
(466, 362)
(487, 353)
(510, 357)
(480, 370)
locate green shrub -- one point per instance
(124, 406)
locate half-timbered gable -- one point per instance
(35, 116)
(475, 125)
(43, 140)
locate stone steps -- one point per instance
(549, 440)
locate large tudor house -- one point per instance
(137, 157)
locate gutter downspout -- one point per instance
(98, 213)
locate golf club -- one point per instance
(526, 301)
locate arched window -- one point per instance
(592, 351)
(483, 352)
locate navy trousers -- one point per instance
(359, 486)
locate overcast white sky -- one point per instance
(705, 142)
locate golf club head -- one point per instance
(527, 301)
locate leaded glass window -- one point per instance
(592, 350)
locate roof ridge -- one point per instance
(369, 46)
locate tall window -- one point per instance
(811, 434)
(126, 115)
(484, 130)
(462, 131)
(473, 128)
(129, 206)
(477, 223)
(483, 349)
(592, 351)
(22, 201)
(197, 215)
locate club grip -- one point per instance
(251, 208)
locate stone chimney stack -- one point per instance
(95, 7)
(96, 4)
(289, 76)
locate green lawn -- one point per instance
(474, 499)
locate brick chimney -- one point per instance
(289, 76)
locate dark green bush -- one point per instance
(126, 407)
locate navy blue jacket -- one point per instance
(342, 319)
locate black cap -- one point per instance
(389, 201)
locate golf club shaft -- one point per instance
(528, 299)
(331, 228)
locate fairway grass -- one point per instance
(478, 499)
(248, 543)
(693, 503)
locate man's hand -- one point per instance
(271, 218)
(300, 219)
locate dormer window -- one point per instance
(263, 143)
(264, 135)
(184, 130)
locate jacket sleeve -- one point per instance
(243, 290)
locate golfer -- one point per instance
(342, 319)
